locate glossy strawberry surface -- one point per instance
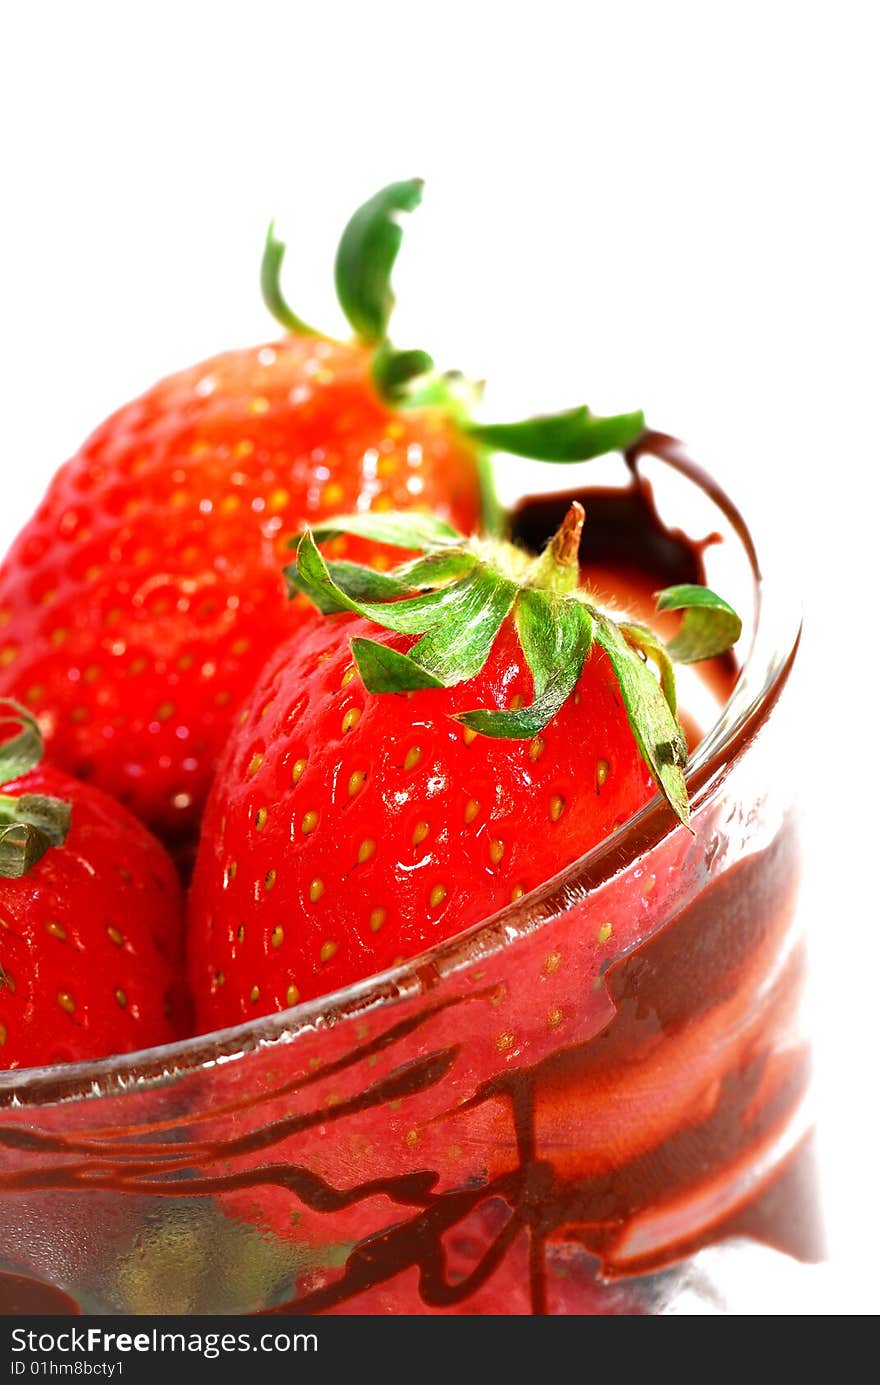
(91, 937)
(140, 602)
(348, 830)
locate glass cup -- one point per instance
(594, 1102)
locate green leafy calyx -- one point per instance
(365, 263)
(29, 823)
(455, 597)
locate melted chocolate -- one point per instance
(625, 532)
(623, 529)
(698, 961)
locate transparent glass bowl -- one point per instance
(556, 1111)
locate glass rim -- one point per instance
(761, 678)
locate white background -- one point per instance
(667, 206)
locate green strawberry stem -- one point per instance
(557, 567)
(495, 519)
(458, 594)
(29, 823)
(407, 379)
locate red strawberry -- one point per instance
(141, 601)
(90, 918)
(348, 830)
(139, 604)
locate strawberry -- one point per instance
(379, 795)
(140, 602)
(90, 917)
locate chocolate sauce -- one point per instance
(623, 529)
(699, 960)
(625, 532)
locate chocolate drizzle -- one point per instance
(696, 963)
(624, 528)
(626, 533)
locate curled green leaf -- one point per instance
(21, 846)
(270, 286)
(654, 727)
(48, 815)
(556, 667)
(643, 639)
(709, 627)
(412, 616)
(436, 568)
(573, 436)
(24, 749)
(399, 529)
(394, 371)
(366, 256)
(385, 670)
(354, 580)
(29, 823)
(456, 646)
(470, 611)
(29, 826)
